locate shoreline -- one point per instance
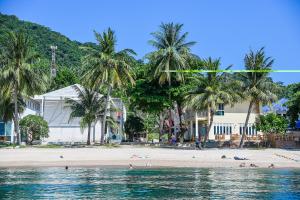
(147, 157)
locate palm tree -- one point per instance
(211, 89)
(7, 106)
(17, 73)
(172, 53)
(107, 66)
(89, 107)
(257, 87)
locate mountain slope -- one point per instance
(68, 53)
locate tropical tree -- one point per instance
(134, 125)
(271, 123)
(293, 95)
(294, 108)
(211, 89)
(257, 87)
(106, 66)
(7, 106)
(172, 53)
(17, 73)
(89, 107)
(34, 127)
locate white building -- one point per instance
(227, 121)
(52, 107)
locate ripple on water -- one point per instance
(166, 183)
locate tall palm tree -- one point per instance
(257, 87)
(211, 89)
(89, 107)
(172, 53)
(106, 66)
(17, 73)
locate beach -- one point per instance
(139, 157)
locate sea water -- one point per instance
(162, 183)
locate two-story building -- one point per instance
(227, 122)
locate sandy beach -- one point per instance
(147, 157)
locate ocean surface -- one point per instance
(165, 183)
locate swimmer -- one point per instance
(130, 166)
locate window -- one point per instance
(220, 110)
(222, 129)
(250, 130)
(2, 129)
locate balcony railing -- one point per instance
(190, 115)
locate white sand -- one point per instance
(146, 157)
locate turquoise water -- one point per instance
(112, 183)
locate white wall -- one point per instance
(73, 134)
(232, 118)
(62, 129)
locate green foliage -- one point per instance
(150, 122)
(258, 87)
(148, 96)
(152, 136)
(17, 73)
(294, 106)
(212, 89)
(90, 107)
(271, 124)
(173, 52)
(7, 106)
(65, 77)
(34, 127)
(133, 125)
(68, 52)
(106, 65)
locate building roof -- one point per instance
(66, 92)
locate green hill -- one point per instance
(68, 52)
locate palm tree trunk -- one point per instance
(179, 109)
(199, 138)
(103, 132)
(246, 124)
(170, 111)
(89, 135)
(16, 116)
(211, 121)
(161, 126)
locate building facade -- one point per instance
(52, 107)
(227, 122)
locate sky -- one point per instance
(222, 29)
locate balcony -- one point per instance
(190, 115)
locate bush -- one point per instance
(152, 136)
(33, 128)
(272, 124)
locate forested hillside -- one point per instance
(68, 53)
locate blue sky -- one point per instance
(226, 29)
